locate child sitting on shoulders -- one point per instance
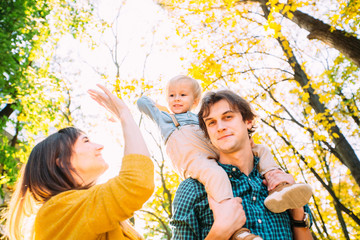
(192, 155)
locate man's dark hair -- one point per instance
(237, 104)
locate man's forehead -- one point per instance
(219, 108)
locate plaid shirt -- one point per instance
(193, 218)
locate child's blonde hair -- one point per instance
(195, 85)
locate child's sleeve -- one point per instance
(267, 162)
(148, 107)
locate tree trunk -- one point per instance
(7, 110)
(342, 222)
(340, 40)
(327, 186)
(342, 147)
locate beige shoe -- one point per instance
(288, 196)
(244, 234)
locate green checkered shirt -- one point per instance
(193, 218)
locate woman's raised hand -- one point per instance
(109, 101)
(134, 141)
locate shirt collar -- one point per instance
(230, 168)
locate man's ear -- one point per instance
(249, 124)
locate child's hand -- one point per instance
(275, 177)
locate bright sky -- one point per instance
(142, 28)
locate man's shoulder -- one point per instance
(190, 203)
(190, 190)
(191, 184)
(192, 217)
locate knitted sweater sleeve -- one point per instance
(102, 207)
(117, 199)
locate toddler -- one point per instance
(192, 155)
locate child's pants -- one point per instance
(192, 155)
(267, 162)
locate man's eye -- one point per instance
(228, 117)
(183, 95)
(171, 95)
(211, 123)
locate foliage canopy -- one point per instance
(276, 54)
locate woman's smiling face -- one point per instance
(87, 160)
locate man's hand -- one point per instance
(229, 216)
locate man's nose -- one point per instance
(220, 126)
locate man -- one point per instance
(227, 120)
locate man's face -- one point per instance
(226, 128)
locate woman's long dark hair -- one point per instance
(47, 173)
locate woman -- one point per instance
(60, 176)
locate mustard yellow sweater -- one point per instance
(96, 213)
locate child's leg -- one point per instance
(288, 196)
(284, 196)
(192, 156)
(267, 162)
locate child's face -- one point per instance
(181, 97)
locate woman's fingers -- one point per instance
(98, 94)
(101, 97)
(98, 97)
(108, 100)
(106, 91)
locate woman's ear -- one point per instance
(58, 163)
